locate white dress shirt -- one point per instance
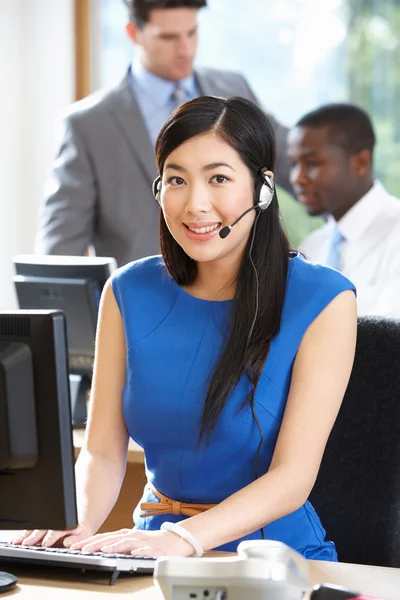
(370, 253)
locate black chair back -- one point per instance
(357, 492)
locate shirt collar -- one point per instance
(354, 223)
(158, 88)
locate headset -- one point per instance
(264, 192)
(156, 188)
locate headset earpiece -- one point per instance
(264, 191)
(156, 188)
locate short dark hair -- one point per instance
(139, 10)
(247, 129)
(349, 126)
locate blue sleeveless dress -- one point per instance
(173, 341)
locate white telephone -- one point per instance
(262, 570)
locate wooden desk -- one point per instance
(132, 487)
(379, 581)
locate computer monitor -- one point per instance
(37, 484)
(72, 284)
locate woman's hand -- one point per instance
(48, 537)
(137, 543)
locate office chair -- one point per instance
(357, 492)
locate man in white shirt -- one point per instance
(331, 152)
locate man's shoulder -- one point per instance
(386, 222)
(95, 102)
(391, 204)
(389, 224)
(219, 73)
(232, 79)
(316, 237)
(224, 83)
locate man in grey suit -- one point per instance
(99, 192)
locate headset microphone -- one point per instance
(225, 231)
(264, 193)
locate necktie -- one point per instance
(337, 239)
(178, 96)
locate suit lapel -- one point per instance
(210, 84)
(125, 111)
(213, 83)
(128, 118)
(206, 85)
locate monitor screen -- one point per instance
(72, 284)
(36, 450)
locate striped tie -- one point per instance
(178, 97)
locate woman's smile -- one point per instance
(202, 232)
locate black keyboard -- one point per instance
(63, 557)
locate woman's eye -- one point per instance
(176, 181)
(219, 179)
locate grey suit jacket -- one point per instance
(99, 192)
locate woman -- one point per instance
(227, 359)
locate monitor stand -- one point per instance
(79, 386)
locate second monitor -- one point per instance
(72, 284)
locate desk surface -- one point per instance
(60, 584)
(135, 452)
(379, 581)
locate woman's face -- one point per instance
(205, 186)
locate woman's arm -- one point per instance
(319, 379)
(101, 465)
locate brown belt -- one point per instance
(169, 506)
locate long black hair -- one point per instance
(242, 125)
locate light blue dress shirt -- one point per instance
(334, 254)
(155, 96)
